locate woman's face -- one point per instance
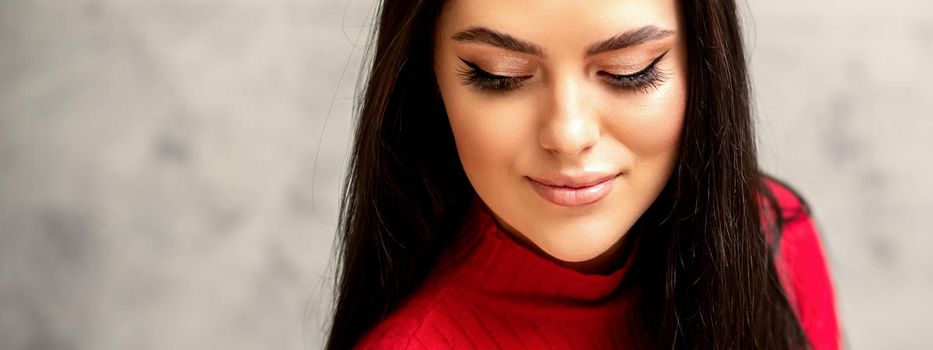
(567, 115)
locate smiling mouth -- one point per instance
(570, 193)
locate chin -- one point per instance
(574, 247)
(574, 256)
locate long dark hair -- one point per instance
(706, 268)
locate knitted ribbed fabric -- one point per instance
(491, 292)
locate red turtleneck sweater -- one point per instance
(491, 292)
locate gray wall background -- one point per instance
(169, 170)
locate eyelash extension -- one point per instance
(481, 80)
(649, 78)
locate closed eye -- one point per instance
(643, 80)
(481, 80)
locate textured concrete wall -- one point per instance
(846, 113)
(169, 169)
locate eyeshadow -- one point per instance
(505, 65)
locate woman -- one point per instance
(556, 174)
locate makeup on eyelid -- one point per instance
(503, 65)
(516, 65)
(489, 80)
(629, 64)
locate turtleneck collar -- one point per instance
(493, 262)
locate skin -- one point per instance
(565, 118)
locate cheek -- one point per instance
(651, 128)
(488, 135)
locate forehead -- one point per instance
(558, 24)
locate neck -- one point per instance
(604, 263)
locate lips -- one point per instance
(574, 191)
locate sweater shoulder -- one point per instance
(791, 204)
(800, 239)
(803, 268)
(398, 332)
(416, 324)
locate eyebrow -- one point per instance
(623, 40)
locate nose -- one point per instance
(570, 126)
